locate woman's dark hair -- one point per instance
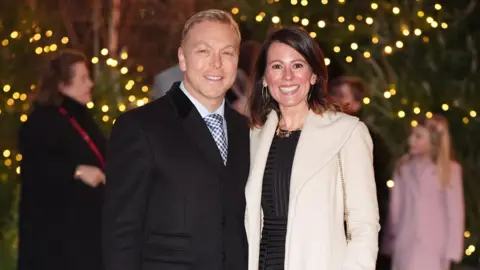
(319, 100)
(59, 70)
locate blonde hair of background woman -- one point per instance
(441, 153)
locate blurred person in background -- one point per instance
(426, 221)
(61, 172)
(349, 93)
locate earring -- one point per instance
(265, 94)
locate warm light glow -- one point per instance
(122, 107)
(293, 2)
(399, 44)
(465, 120)
(374, 6)
(23, 117)
(434, 24)
(324, 2)
(295, 19)
(414, 123)
(388, 49)
(349, 59)
(354, 46)
(105, 108)
(396, 10)
(429, 114)
(375, 40)
(471, 248)
(46, 49)
(124, 70)
(105, 118)
(327, 61)
(90, 105)
(235, 10)
(321, 24)
(14, 34)
(416, 110)
(390, 183)
(341, 19)
(65, 40)
(10, 102)
(258, 18)
(429, 19)
(140, 68)
(104, 51)
(144, 88)
(351, 27)
(38, 50)
(140, 103)
(420, 14)
(313, 34)
(18, 157)
(405, 32)
(305, 22)
(16, 95)
(445, 107)
(366, 100)
(49, 33)
(8, 162)
(393, 92)
(401, 114)
(438, 6)
(336, 49)
(37, 37)
(18, 170)
(275, 19)
(369, 20)
(23, 97)
(6, 153)
(473, 113)
(418, 32)
(341, 1)
(387, 94)
(53, 47)
(466, 234)
(367, 54)
(94, 60)
(4, 42)
(6, 88)
(131, 98)
(304, 2)
(124, 55)
(444, 25)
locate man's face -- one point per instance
(347, 100)
(209, 58)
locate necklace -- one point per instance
(284, 133)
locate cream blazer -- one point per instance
(315, 237)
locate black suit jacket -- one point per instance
(170, 202)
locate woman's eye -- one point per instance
(276, 66)
(298, 65)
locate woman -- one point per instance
(62, 172)
(301, 150)
(426, 222)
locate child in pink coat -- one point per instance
(426, 223)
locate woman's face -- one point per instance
(80, 87)
(288, 76)
(419, 141)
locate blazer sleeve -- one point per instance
(362, 206)
(128, 177)
(455, 216)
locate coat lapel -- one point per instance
(319, 142)
(196, 128)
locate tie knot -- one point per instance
(214, 120)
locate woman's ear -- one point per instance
(313, 79)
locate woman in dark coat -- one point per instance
(61, 173)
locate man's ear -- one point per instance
(181, 60)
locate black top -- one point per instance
(60, 217)
(275, 194)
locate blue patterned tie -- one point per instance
(215, 125)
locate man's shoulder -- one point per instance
(153, 111)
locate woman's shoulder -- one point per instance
(42, 117)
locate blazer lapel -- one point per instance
(196, 128)
(319, 142)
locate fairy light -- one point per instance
(354, 46)
(414, 123)
(396, 10)
(438, 6)
(399, 44)
(313, 34)
(445, 107)
(366, 54)
(321, 24)
(94, 60)
(473, 114)
(374, 6)
(65, 40)
(235, 11)
(275, 19)
(90, 105)
(388, 49)
(305, 22)
(366, 100)
(351, 27)
(416, 110)
(341, 19)
(295, 19)
(387, 94)
(369, 20)
(390, 183)
(104, 51)
(336, 49)
(401, 114)
(327, 61)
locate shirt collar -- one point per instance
(200, 108)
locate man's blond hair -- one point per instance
(212, 15)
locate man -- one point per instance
(349, 93)
(177, 167)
